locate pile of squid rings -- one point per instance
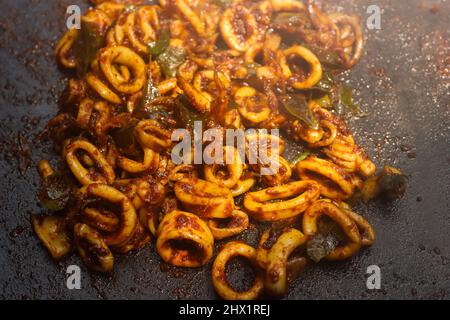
(237, 63)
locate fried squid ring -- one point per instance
(228, 174)
(141, 26)
(64, 50)
(142, 192)
(111, 56)
(151, 135)
(219, 277)
(199, 99)
(334, 182)
(83, 175)
(315, 72)
(365, 229)
(100, 219)
(275, 282)
(353, 47)
(330, 133)
(348, 226)
(51, 230)
(239, 37)
(150, 162)
(184, 240)
(238, 223)
(92, 249)
(45, 169)
(280, 175)
(295, 197)
(345, 153)
(287, 5)
(137, 241)
(205, 198)
(198, 22)
(102, 89)
(253, 106)
(127, 215)
(182, 171)
(243, 185)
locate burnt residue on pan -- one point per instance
(402, 81)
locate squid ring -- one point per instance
(138, 240)
(366, 230)
(335, 182)
(219, 278)
(299, 195)
(315, 74)
(84, 176)
(122, 55)
(151, 135)
(102, 89)
(127, 215)
(182, 171)
(196, 22)
(64, 47)
(147, 15)
(287, 5)
(206, 199)
(252, 105)
(92, 249)
(235, 169)
(238, 223)
(102, 220)
(339, 216)
(184, 240)
(149, 163)
(239, 42)
(277, 257)
(328, 140)
(242, 186)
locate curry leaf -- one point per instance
(170, 60)
(88, 43)
(159, 46)
(297, 106)
(55, 191)
(301, 157)
(346, 103)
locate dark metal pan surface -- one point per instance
(403, 82)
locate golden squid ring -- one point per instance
(295, 197)
(113, 10)
(199, 99)
(102, 89)
(142, 32)
(243, 185)
(85, 176)
(234, 167)
(100, 219)
(287, 5)
(205, 198)
(366, 230)
(151, 135)
(329, 138)
(52, 231)
(260, 144)
(339, 216)
(149, 163)
(64, 52)
(219, 277)
(182, 171)
(168, 85)
(275, 282)
(281, 173)
(184, 240)
(45, 169)
(141, 191)
(238, 223)
(195, 20)
(252, 105)
(137, 241)
(335, 182)
(239, 42)
(127, 215)
(92, 249)
(111, 56)
(315, 72)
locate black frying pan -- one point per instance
(402, 81)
